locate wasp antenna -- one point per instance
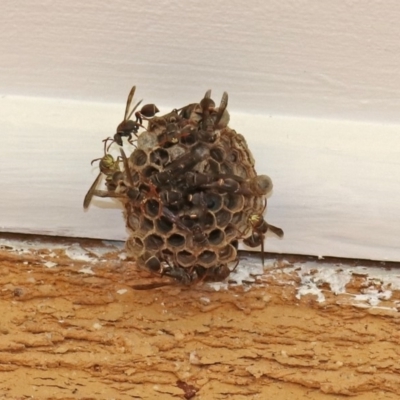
(108, 148)
(96, 159)
(105, 144)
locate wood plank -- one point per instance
(336, 183)
(73, 327)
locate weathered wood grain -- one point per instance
(75, 329)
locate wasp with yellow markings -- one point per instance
(259, 228)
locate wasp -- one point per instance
(172, 197)
(261, 185)
(178, 274)
(154, 264)
(127, 126)
(197, 179)
(186, 111)
(194, 111)
(114, 178)
(229, 183)
(184, 276)
(189, 111)
(173, 133)
(181, 275)
(224, 185)
(212, 118)
(110, 168)
(206, 116)
(259, 228)
(169, 135)
(201, 202)
(207, 105)
(222, 116)
(215, 274)
(199, 237)
(166, 212)
(180, 165)
(194, 229)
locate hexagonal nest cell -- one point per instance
(190, 191)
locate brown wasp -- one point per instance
(127, 126)
(183, 276)
(199, 237)
(166, 212)
(180, 275)
(226, 183)
(156, 265)
(194, 228)
(207, 105)
(172, 197)
(169, 135)
(186, 111)
(180, 165)
(216, 274)
(261, 185)
(197, 179)
(229, 183)
(259, 228)
(212, 117)
(190, 112)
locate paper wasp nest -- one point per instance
(190, 193)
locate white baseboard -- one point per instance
(336, 183)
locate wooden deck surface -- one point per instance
(73, 328)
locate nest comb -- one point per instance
(190, 192)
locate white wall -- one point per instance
(312, 85)
(334, 59)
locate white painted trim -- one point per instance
(336, 183)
